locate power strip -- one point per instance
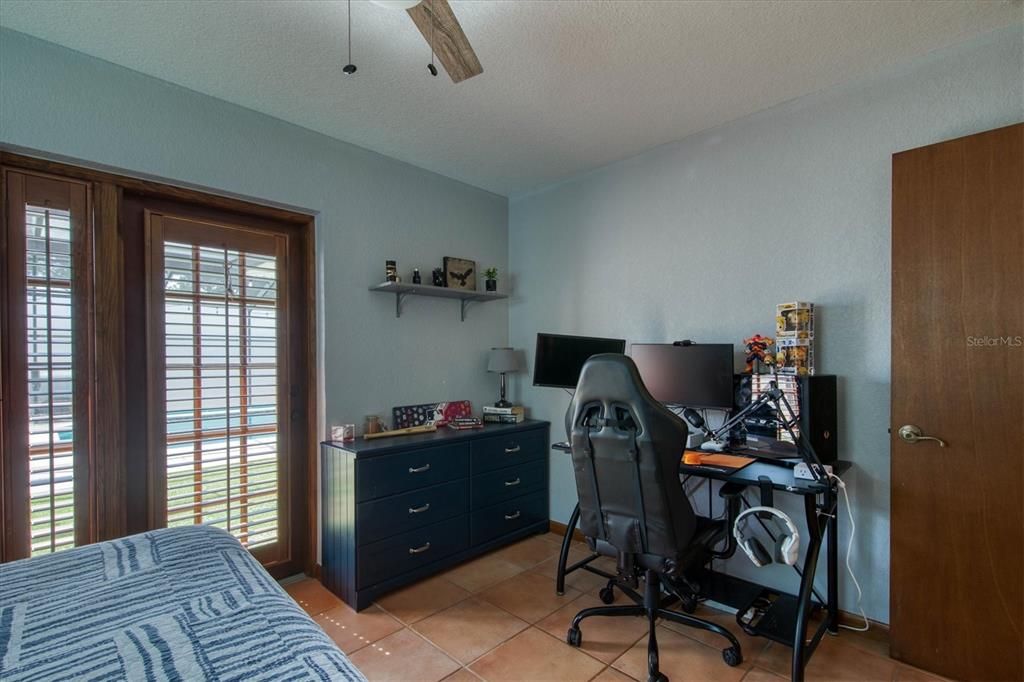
(802, 471)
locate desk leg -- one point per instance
(832, 532)
(563, 556)
(806, 589)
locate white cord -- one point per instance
(849, 549)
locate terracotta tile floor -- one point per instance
(497, 618)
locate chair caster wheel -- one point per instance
(607, 595)
(653, 674)
(688, 603)
(732, 657)
(574, 637)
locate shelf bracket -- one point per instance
(399, 300)
(463, 304)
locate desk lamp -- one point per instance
(502, 361)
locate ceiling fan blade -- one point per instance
(450, 44)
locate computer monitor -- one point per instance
(559, 358)
(697, 375)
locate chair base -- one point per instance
(651, 606)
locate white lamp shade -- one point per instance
(503, 360)
(396, 4)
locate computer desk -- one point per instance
(787, 618)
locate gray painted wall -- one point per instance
(701, 238)
(369, 208)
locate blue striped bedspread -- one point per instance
(173, 604)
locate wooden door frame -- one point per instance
(108, 280)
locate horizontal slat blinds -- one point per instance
(50, 378)
(221, 316)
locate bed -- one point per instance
(174, 604)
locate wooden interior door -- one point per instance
(957, 529)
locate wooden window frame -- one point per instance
(108, 515)
(28, 187)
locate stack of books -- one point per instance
(464, 423)
(504, 415)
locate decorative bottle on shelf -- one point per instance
(416, 276)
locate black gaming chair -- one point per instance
(626, 448)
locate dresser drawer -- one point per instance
(388, 558)
(495, 486)
(509, 516)
(389, 516)
(404, 471)
(496, 452)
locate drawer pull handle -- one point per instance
(419, 470)
(512, 517)
(419, 550)
(512, 483)
(512, 450)
(419, 510)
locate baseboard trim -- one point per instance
(845, 617)
(559, 528)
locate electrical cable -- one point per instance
(350, 68)
(430, 67)
(849, 549)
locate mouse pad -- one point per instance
(735, 462)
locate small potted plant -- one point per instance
(491, 279)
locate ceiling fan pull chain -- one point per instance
(430, 67)
(350, 68)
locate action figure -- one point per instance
(757, 352)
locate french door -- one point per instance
(218, 312)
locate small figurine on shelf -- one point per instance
(491, 279)
(757, 353)
(437, 276)
(390, 271)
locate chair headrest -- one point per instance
(611, 377)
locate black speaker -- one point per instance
(813, 399)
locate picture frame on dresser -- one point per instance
(397, 510)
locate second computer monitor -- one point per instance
(697, 375)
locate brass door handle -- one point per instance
(513, 482)
(419, 550)
(513, 450)
(912, 434)
(419, 470)
(512, 517)
(419, 510)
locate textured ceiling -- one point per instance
(568, 85)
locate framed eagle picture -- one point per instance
(460, 273)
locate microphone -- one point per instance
(696, 421)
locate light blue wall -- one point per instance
(700, 239)
(368, 207)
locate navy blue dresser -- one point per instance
(396, 510)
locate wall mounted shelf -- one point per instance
(401, 291)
